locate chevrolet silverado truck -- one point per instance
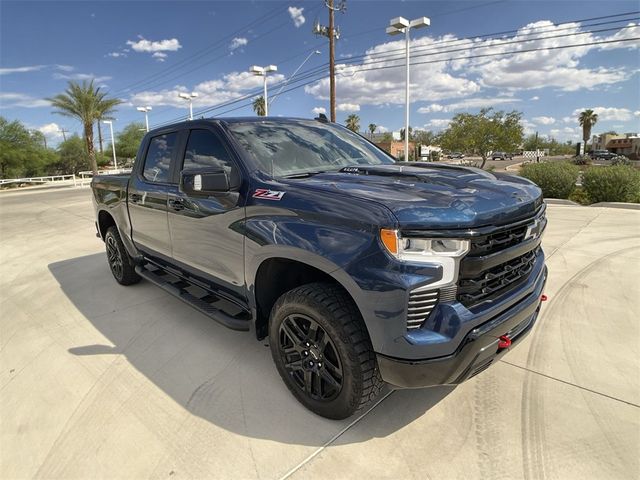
(358, 269)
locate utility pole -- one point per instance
(332, 34)
(63, 132)
(537, 153)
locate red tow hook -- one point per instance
(543, 298)
(504, 342)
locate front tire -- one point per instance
(120, 262)
(322, 350)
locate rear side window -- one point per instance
(159, 155)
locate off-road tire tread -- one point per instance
(129, 275)
(353, 333)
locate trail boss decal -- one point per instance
(268, 194)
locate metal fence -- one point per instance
(81, 179)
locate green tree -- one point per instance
(129, 139)
(353, 123)
(104, 111)
(84, 102)
(22, 152)
(372, 129)
(587, 119)
(410, 133)
(258, 106)
(484, 132)
(73, 156)
(424, 137)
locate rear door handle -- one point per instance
(176, 204)
(135, 198)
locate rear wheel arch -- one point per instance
(105, 220)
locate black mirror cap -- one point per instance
(204, 182)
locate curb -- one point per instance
(628, 206)
(561, 201)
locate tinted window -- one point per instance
(206, 150)
(159, 154)
(285, 148)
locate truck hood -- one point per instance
(425, 195)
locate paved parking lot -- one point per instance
(103, 381)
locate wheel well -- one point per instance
(277, 276)
(105, 220)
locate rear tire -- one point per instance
(322, 350)
(120, 262)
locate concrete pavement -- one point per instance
(103, 381)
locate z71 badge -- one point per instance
(268, 194)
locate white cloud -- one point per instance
(382, 129)
(296, 16)
(237, 42)
(81, 76)
(566, 133)
(438, 123)
(160, 56)
(318, 110)
(384, 86)
(542, 120)
(528, 127)
(65, 68)
(468, 103)
(149, 46)
(568, 120)
(116, 54)
(13, 100)
(637, 113)
(29, 68)
(535, 97)
(210, 92)
(348, 107)
(50, 130)
(607, 113)
(632, 31)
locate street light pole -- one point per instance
(113, 142)
(402, 25)
(189, 97)
(263, 72)
(145, 110)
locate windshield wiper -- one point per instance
(304, 174)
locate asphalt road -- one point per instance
(103, 381)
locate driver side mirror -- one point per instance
(204, 182)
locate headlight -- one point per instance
(422, 250)
(444, 252)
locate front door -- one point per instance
(207, 232)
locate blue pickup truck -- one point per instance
(358, 269)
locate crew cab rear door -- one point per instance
(147, 195)
(207, 231)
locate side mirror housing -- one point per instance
(204, 182)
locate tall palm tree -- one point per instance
(258, 106)
(587, 120)
(372, 129)
(353, 123)
(84, 102)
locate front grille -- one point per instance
(421, 304)
(496, 280)
(495, 242)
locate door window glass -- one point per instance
(159, 155)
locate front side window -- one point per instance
(283, 148)
(158, 159)
(206, 150)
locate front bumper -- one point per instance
(477, 351)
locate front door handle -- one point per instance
(135, 198)
(176, 204)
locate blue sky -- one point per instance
(148, 52)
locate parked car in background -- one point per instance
(455, 155)
(501, 156)
(602, 155)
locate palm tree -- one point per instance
(84, 102)
(587, 120)
(353, 123)
(372, 129)
(258, 106)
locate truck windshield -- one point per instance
(289, 148)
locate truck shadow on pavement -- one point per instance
(222, 376)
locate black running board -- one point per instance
(178, 287)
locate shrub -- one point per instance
(620, 160)
(582, 160)
(557, 179)
(618, 183)
(580, 196)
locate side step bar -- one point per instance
(204, 303)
